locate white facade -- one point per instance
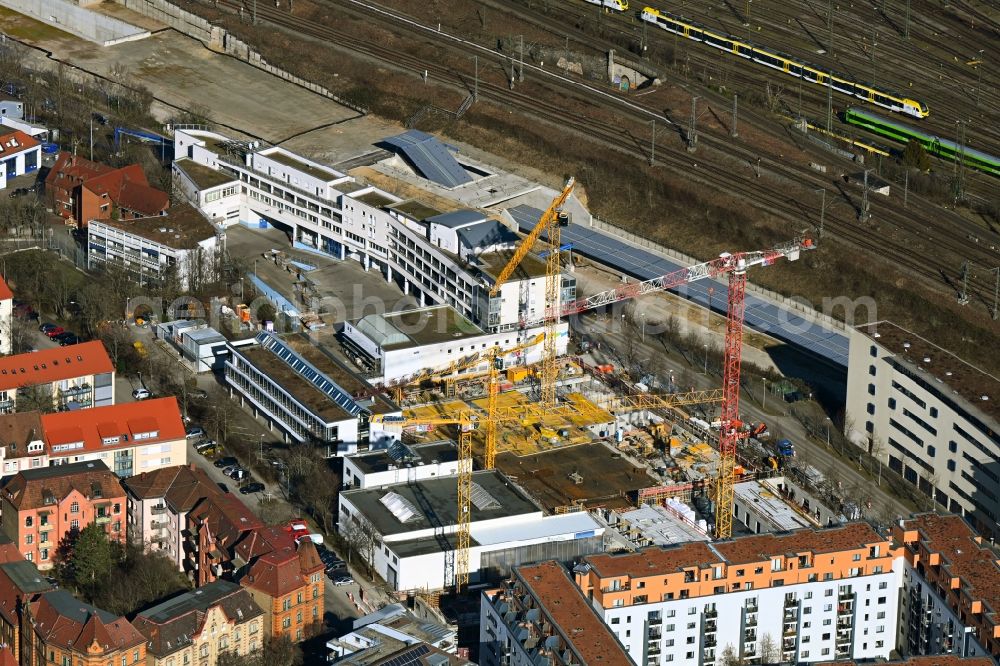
(327, 212)
(15, 160)
(414, 558)
(378, 468)
(149, 259)
(838, 619)
(218, 201)
(6, 323)
(914, 406)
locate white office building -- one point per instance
(452, 258)
(402, 463)
(930, 417)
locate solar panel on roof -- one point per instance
(482, 499)
(431, 158)
(399, 506)
(309, 372)
(410, 657)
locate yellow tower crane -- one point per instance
(549, 224)
(468, 421)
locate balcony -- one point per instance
(751, 620)
(656, 620)
(845, 608)
(845, 596)
(712, 613)
(158, 510)
(751, 607)
(789, 631)
(750, 637)
(710, 626)
(102, 520)
(159, 524)
(791, 614)
(710, 642)
(653, 649)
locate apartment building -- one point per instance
(304, 393)
(22, 443)
(951, 589)
(931, 417)
(198, 626)
(130, 438)
(158, 504)
(75, 377)
(541, 616)
(82, 190)
(450, 259)
(20, 583)
(39, 507)
(215, 526)
(286, 580)
(60, 629)
(179, 244)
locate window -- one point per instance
(828, 593)
(892, 403)
(29, 539)
(805, 639)
(615, 620)
(286, 604)
(934, 412)
(883, 585)
(28, 521)
(951, 465)
(298, 600)
(930, 451)
(827, 622)
(881, 600)
(29, 556)
(807, 595)
(204, 650)
(879, 644)
(253, 627)
(135, 657)
(223, 642)
(871, 370)
(873, 350)
(45, 554)
(953, 447)
(806, 624)
(871, 389)
(826, 651)
(880, 615)
(286, 623)
(690, 640)
(74, 507)
(74, 524)
(691, 625)
(871, 408)
(804, 653)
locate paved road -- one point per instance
(808, 450)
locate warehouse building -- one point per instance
(305, 394)
(403, 463)
(412, 530)
(930, 416)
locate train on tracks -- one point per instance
(784, 63)
(935, 145)
(617, 5)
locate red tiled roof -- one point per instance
(49, 365)
(5, 292)
(17, 431)
(76, 168)
(29, 488)
(12, 143)
(127, 187)
(72, 624)
(182, 486)
(7, 657)
(285, 570)
(227, 518)
(92, 426)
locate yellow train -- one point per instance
(786, 64)
(617, 5)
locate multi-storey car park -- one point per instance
(929, 416)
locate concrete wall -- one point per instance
(216, 37)
(68, 16)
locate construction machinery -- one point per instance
(549, 223)
(734, 266)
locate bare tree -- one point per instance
(769, 653)
(35, 398)
(730, 657)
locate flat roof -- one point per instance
(375, 199)
(769, 508)
(660, 527)
(962, 556)
(343, 376)
(202, 176)
(415, 454)
(415, 209)
(183, 227)
(491, 263)
(572, 615)
(326, 174)
(429, 326)
(295, 384)
(435, 502)
(56, 364)
(655, 561)
(200, 599)
(938, 366)
(580, 524)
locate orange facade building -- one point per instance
(41, 506)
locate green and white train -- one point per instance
(935, 145)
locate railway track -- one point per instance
(930, 266)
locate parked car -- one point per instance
(342, 580)
(195, 432)
(225, 462)
(209, 450)
(239, 474)
(53, 332)
(201, 394)
(205, 445)
(47, 326)
(70, 339)
(254, 487)
(142, 394)
(228, 469)
(315, 538)
(64, 334)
